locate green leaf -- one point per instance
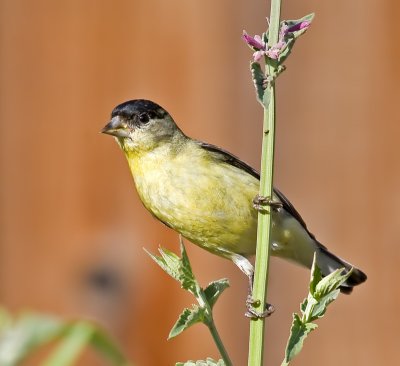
(263, 93)
(214, 290)
(322, 291)
(186, 320)
(181, 270)
(331, 282)
(168, 261)
(303, 305)
(76, 339)
(103, 343)
(172, 261)
(292, 37)
(307, 18)
(186, 277)
(320, 307)
(25, 334)
(316, 275)
(5, 319)
(178, 268)
(298, 333)
(79, 335)
(185, 258)
(30, 331)
(207, 362)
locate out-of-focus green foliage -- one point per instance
(207, 362)
(22, 335)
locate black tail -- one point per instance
(329, 262)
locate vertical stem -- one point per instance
(256, 340)
(209, 321)
(219, 344)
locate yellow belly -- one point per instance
(210, 203)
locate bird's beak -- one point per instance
(116, 127)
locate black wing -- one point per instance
(289, 208)
(228, 158)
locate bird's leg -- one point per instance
(247, 268)
(259, 203)
(250, 303)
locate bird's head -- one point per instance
(141, 125)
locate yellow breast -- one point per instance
(207, 201)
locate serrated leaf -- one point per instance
(263, 94)
(303, 305)
(207, 362)
(188, 318)
(172, 271)
(316, 275)
(298, 333)
(331, 282)
(171, 260)
(185, 258)
(187, 278)
(188, 283)
(321, 306)
(214, 290)
(177, 268)
(322, 291)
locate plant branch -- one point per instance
(256, 341)
(218, 342)
(180, 269)
(209, 322)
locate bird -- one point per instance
(209, 195)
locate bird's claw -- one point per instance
(259, 203)
(252, 313)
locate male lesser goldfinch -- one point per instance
(206, 194)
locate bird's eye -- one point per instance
(144, 118)
(152, 115)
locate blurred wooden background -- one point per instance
(71, 226)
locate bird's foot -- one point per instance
(259, 203)
(255, 314)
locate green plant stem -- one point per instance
(218, 342)
(201, 298)
(256, 339)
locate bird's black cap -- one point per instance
(138, 106)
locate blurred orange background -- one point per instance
(72, 228)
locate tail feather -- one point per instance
(329, 262)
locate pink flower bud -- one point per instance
(255, 42)
(298, 26)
